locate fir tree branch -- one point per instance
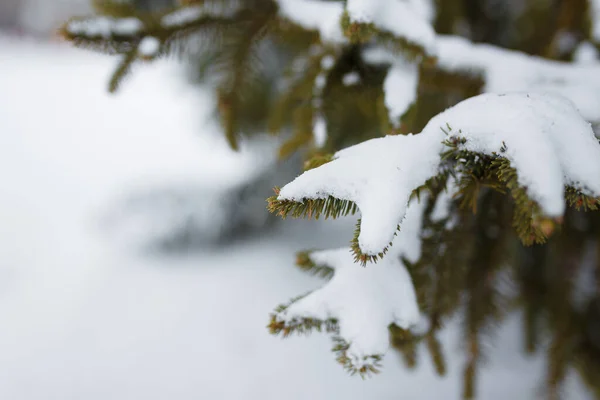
(123, 69)
(580, 201)
(406, 343)
(364, 366)
(311, 208)
(239, 64)
(437, 356)
(304, 262)
(119, 35)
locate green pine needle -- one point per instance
(329, 207)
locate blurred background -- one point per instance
(137, 260)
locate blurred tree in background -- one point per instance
(38, 17)
(324, 75)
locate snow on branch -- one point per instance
(538, 144)
(542, 135)
(321, 16)
(147, 37)
(122, 35)
(105, 27)
(359, 304)
(404, 19)
(507, 70)
(406, 23)
(378, 176)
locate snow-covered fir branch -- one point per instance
(380, 175)
(361, 303)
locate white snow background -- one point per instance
(85, 316)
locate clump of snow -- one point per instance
(351, 78)
(401, 83)
(105, 27)
(186, 15)
(400, 89)
(320, 82)
(547, 141)
(586, 53)
(327, 62)
(183, 16)
(365, 301)
(379, 55)
(441, 208)
(93, 27)
(127, 26)
(508, 71)
(149, 47)
(319, 123)
(400, 18)
(323, 17)
(320, 132)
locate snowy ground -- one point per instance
(85, 317)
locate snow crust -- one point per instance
(547, 140)
(365, 301)
(508, 71)
(441, 208)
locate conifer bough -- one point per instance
(496, 187)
